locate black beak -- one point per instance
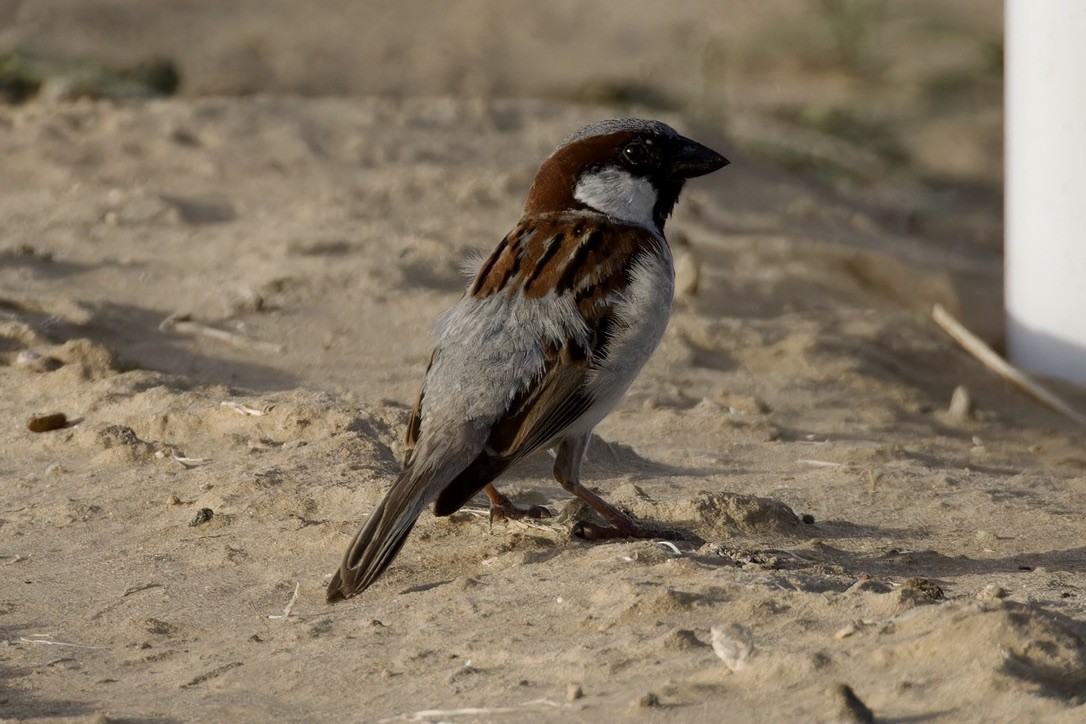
(692, 159)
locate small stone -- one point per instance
(739, 403)
(246, 301)
(37, 362)
(808, 519)
(992, 592)
(924, 588)
(574, 692)
(866, 584)
(682, 638)
(45, 423)
(203, 515)
(648, 701)
(733, 644)
(961, 404)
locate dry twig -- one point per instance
(990, 359)
(183, 324)
(537, 705)
(50, 642)
(243, 409)
(290, 604)
(821, 463)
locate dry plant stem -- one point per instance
(181, 324)
(1000, 366)
(243, 409)
(821, 463)
(537, 705)
(290, 605)
(50, 642)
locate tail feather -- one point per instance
(381, 538)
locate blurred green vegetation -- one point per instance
(23, 76)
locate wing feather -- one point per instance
(536, 416)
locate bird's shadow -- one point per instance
(602, 458)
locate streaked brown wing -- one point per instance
(586, 259)
(414, 423)
(534, 418)
(545, 409)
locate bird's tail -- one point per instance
(380, 539)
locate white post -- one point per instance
(1045, 254)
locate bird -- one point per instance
(545, 340)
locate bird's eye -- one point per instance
(636, 153)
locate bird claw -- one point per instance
(509, 511)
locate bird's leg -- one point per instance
(503, 507)
(567, 470)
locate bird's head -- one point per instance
(631, 170)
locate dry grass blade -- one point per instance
(50, 642)
(182, 324)
(990, 359)
(243, 409)
(821, 463)
(290, 604)
(537, 705)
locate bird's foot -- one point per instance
(502, 508)
(509, 511)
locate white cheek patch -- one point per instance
(617, 193)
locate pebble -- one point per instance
(45, 423)
(733, 644)
(924, 588)
(574, 692)
(961, 404)
(203, 515)
(992, 592)
(648, 701)
(37, 362)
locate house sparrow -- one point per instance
(546, 339)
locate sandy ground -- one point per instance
(845, 527)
